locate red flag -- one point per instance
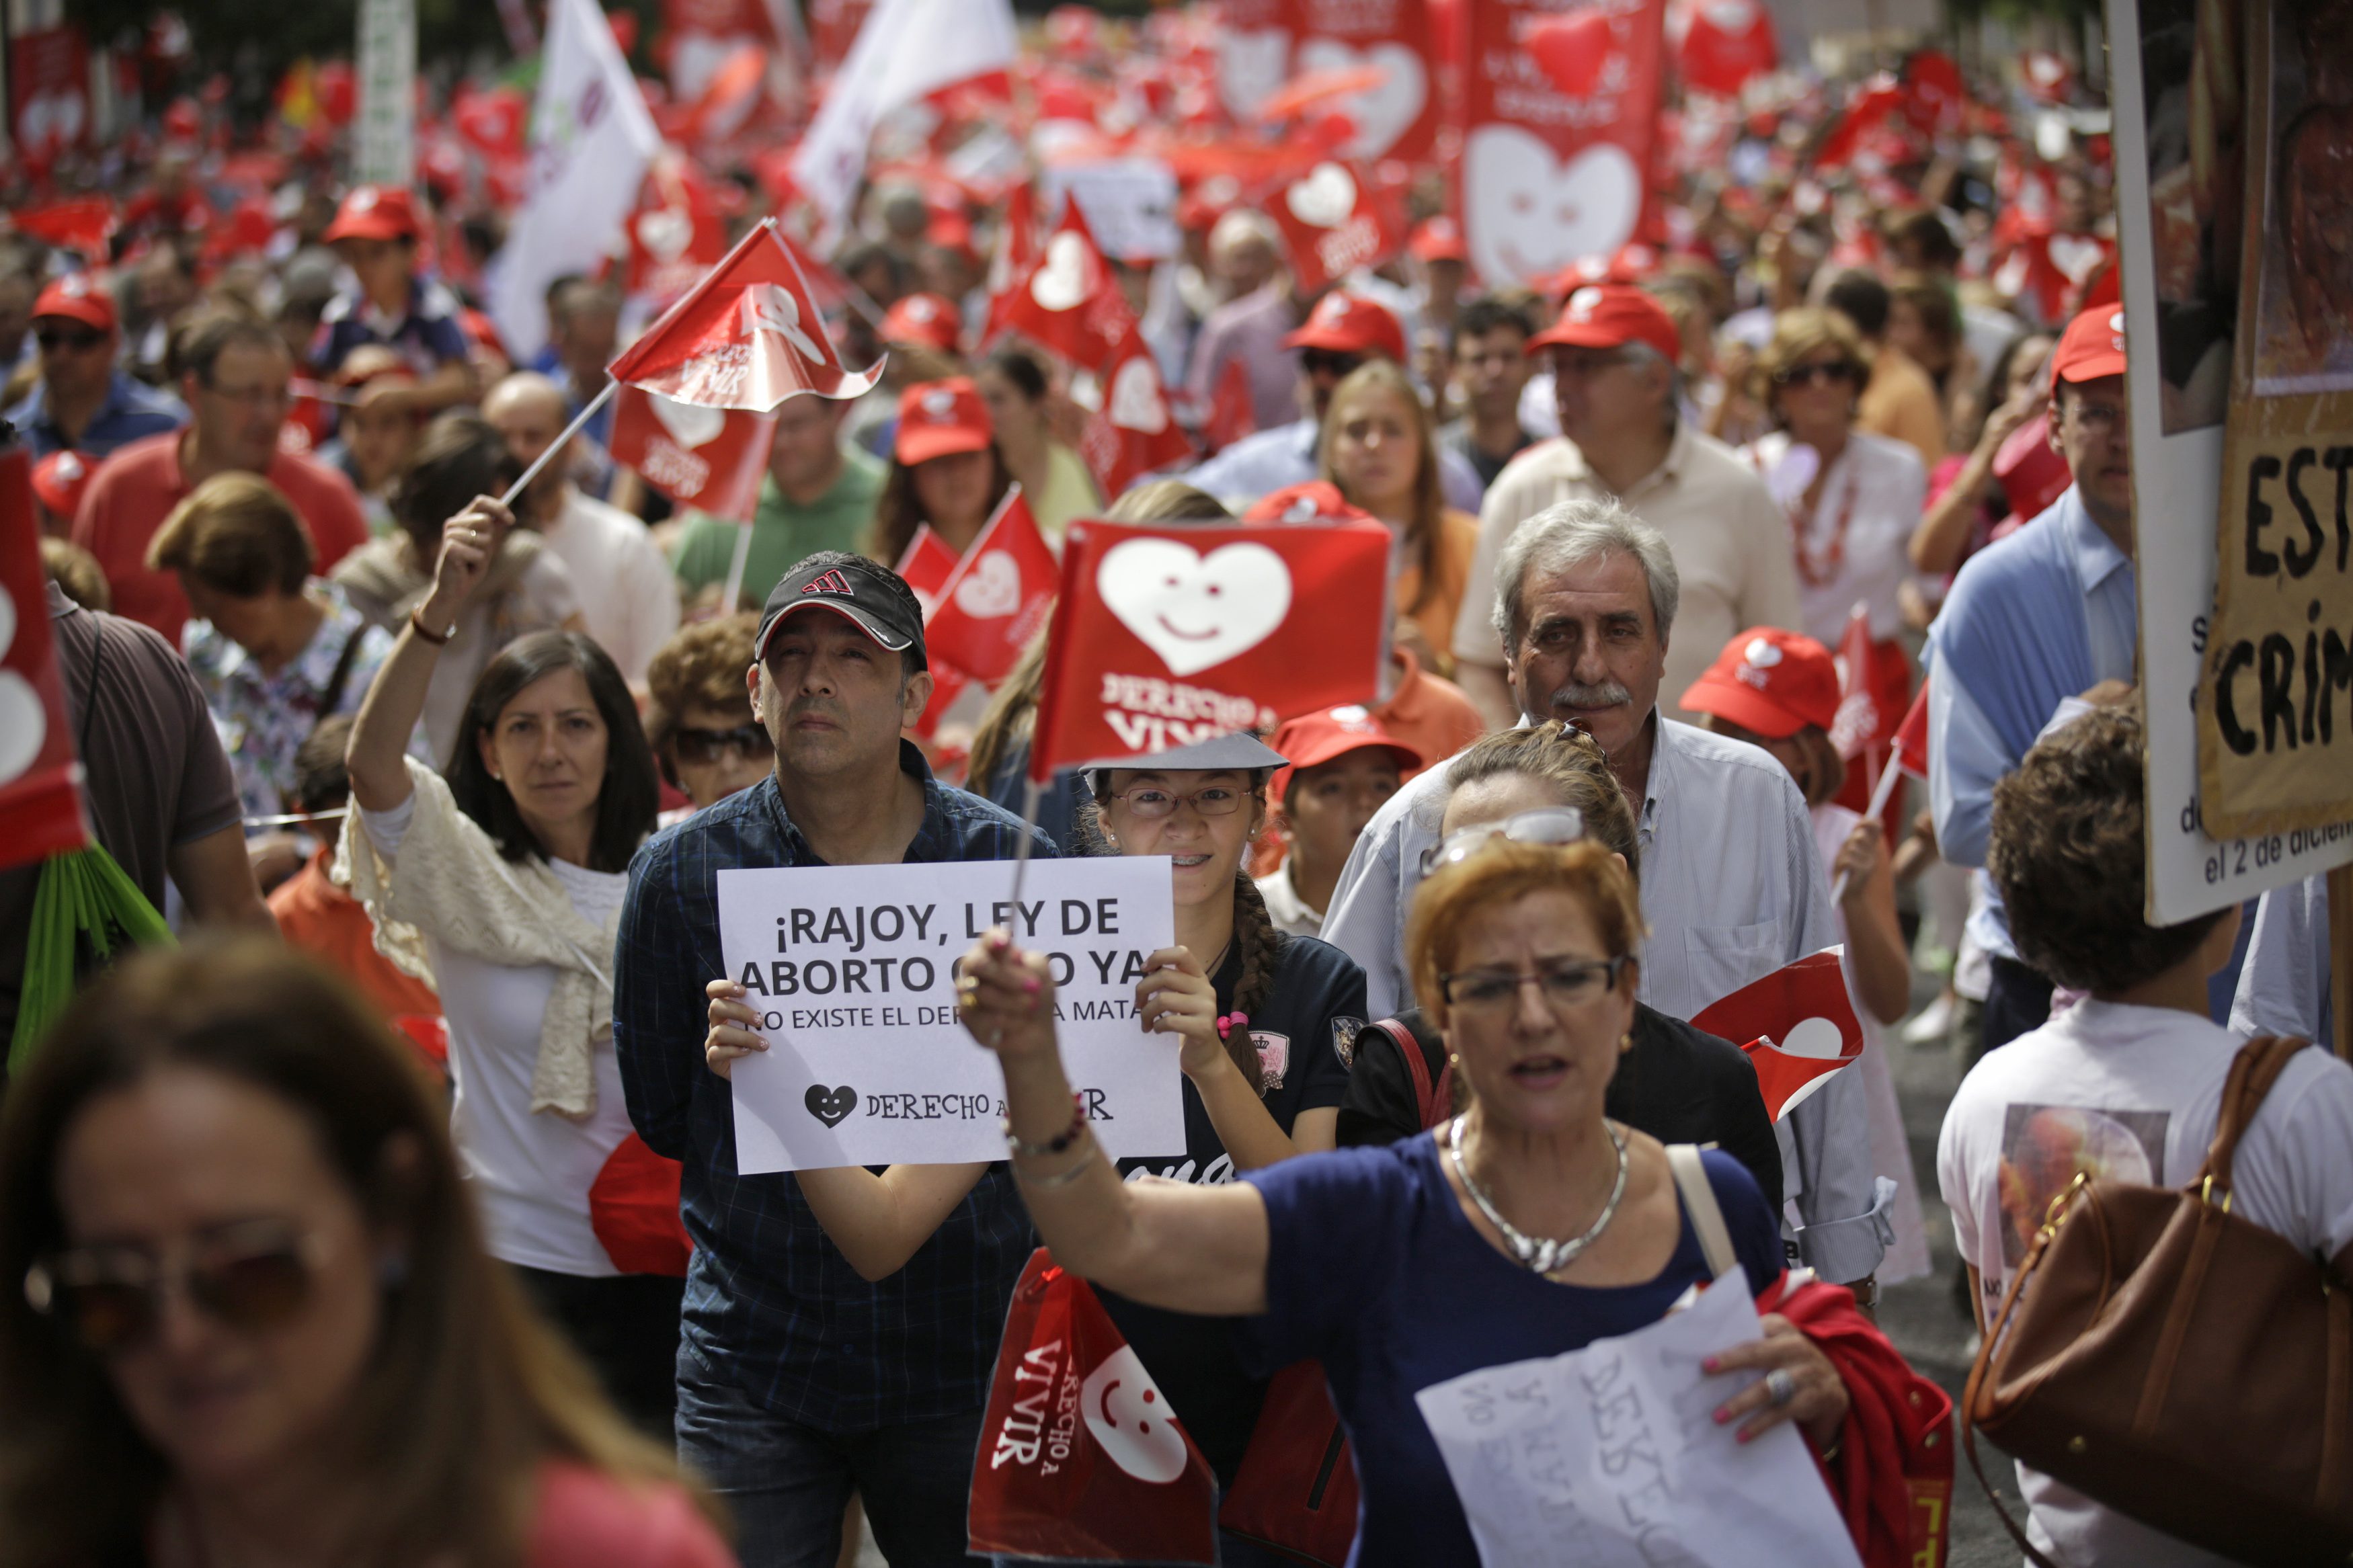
(702, 457)
(1123, 1482)
(1912, 736)
(1397, 117)
(1135, 432)
(1334, 223)
(1016, 255)
(926, 567)
(676, 234)
(748, 336)
(1798, 1026)
(1552, 172)
(77, 223)
(1163, 637)
(40, 806)
(998, 597)
(1068, 302)
(1859, 725)
(1723, 42)
(1231, 417)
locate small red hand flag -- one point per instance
(40, 806)
(1135, 432)
(1336, 221)
(998, 596)
(1798, 1025)
(702, 457)
(926, 567)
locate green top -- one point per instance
(782, 533)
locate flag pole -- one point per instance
(1031, 793)
(579, 419)
(1880, 796)
(735, 569)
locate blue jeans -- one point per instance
(787, 1484)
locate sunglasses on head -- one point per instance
(248, 1277)
(1325, 361)
(701, 747)
(76, 340)
(1544, 825)
(1837, 373)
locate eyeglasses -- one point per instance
(1149, 802)
(251, 1277)
(1544, 825)
(1838, 373)
(52, 340)
(1564, 985)
(1325, 361)
(701, 747)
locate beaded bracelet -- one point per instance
(1055, 1145)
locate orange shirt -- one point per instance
(1458, 542)
(322, 919)
(135, 490)
(1429, 713)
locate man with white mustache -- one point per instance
(1584, 602)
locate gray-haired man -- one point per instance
(1585, 595)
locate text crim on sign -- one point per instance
(852, 969)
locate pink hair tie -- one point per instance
(1228, 1022)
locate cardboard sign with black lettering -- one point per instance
(852, 969)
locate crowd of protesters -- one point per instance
(429, 1244)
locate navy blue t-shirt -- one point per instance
(1303, 1032)
(1373, 1268)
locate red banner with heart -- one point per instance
(1398, 117)
(1164, 637)
(705, 457)
(997, 599)
(1335, 222)
(1081, 1458)
(677, 234)
(926, 568)
(40, 804)
(1798, 1025)
(1560, 114)
(1135, 432)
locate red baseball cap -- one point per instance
(925, 319)
(59, 479)
(1350, 324)
(1611, 316)
(374, 212)
(940, 418)
(1771, 681)
(78, 297)
(1311, 500)
(1438, 239)
(1313, 739)
(2091, 346)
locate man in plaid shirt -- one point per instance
(798, 1381)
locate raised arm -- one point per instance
(1176, 998)
(1187, 1249)
(379, 743)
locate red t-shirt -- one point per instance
(589, 1519)
(134, 491)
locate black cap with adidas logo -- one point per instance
(870, 597)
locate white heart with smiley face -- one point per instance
(665, 232)
(1325, 198)
(1386, 112)
(1528, 216)
(992, 589)
(1128, 1415)
(1195, 611)
(1135, 400)
(690, 425)
(1067, 279)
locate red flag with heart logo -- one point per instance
(1398, 116)
(1135, 432)
(1912, 736)
(1163, 637)
(748, 336)
(1081, 1458)
(1720, 44)
(676, 234)
(1798, 1025)
(1859, 724)
(1232, 417)
(1069, 302)
(709, 459)
(998, 597)
(1560, 116)
(1335, 222)
(926, 568)
(40, 804)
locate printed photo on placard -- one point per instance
(2190, 81)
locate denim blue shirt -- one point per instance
(131, 409)
(773, 1309)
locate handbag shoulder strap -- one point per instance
(1409, 1046)
(1700, 1204)
(2254, 1070)
(331, 696)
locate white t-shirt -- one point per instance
(2132, 1094)
(627, 597)
(529, 1173)
(1877, 488)
(1288, 911)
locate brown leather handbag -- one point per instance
(2178, 1364)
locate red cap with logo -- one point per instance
(1437, 238)
(1310, 501)
(59, 480)
(374, 212)
(79, 296)
(940, 419)
(925, 318)
(2093, 346)
(1350, 324)
(1770, 681)
(1313, 739)
(1611, 316)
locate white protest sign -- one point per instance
(1609, 1457)
(852, 969)
(1130, 202)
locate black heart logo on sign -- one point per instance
(830, 1106)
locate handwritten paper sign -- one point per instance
(852, 968)
(1608, 1457)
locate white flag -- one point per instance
(591, 139)
(906, 49)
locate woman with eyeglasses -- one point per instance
(498, 882)
(248, 1317)
(1529, 1226)
(1266, 1021)
(704, 736)
(1551, 785)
